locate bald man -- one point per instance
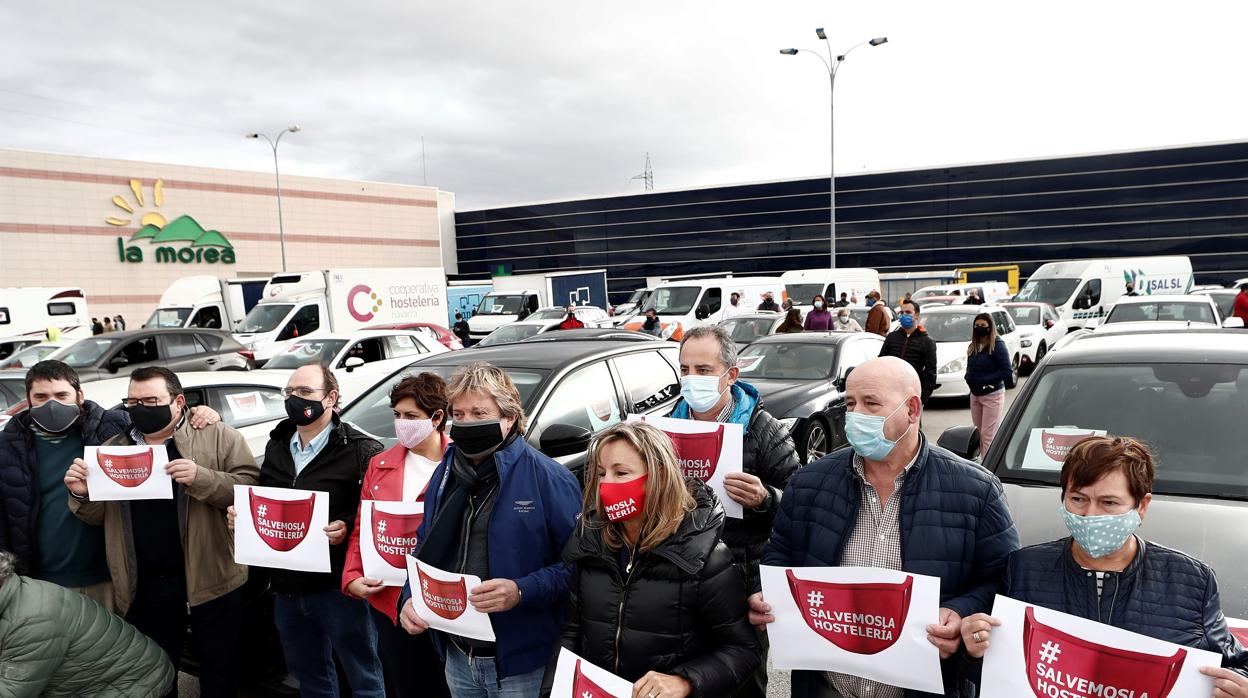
(857, 506)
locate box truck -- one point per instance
(801, 285)
(1084, 290)
(515, 297)
(463, 297)
(32, 310)
(683, 305)
(313, 303)
(207, 301)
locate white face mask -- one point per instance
(843, 319)
(818, 304)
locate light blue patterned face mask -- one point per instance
(1101, 535)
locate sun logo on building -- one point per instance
(153, 218)
(197, 244)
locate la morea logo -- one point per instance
(182, 240)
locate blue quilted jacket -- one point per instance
(19, 503)
(1163, 593)
(955, 525)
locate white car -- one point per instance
(1224, 298)
(1039, 329)
(360, 359)
(951, 328)
(32, 354)
(1164, 313)
(592, 316)
(543, 320)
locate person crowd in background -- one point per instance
(911, 343)
(651, 325)
(878, 318)
(96, 326)
(119, 323)
(733, 308)
(1240, 307)
(769, 303)
(461, 330)
(845, 323)
(972, 298)
(108, 325)
(843, 302)
(792, 322)
(818, 319)
(987, 368)
(570, 321)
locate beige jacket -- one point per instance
(208, 546)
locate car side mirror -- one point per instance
(1234, 322)
(352, 363)
(961, 440)
(117, 362)
(840, 382)
(560, 440)
(702, 312)
(1048, 324)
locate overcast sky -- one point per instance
(544, 100)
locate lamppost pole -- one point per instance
(832, 64)
(277, 176)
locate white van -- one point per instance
(31, 311)
(688, 303)
(990, 291)
(1084, 290)
(802, 285)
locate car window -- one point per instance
(306, 321)
(211, 342)
(139, 351)
(1004, 326)
(858, 352)
(712, 300)
(1194, 454)
(1025, 314)
(585, 398)
(403, 345)
(1165, 311)
(180, 345)
(649, 380)
(12, 391)
(370, 350)
(208, 317)
(788, 361)
(949, 327)
(746, 330)
(244, 405)
(1089, 296)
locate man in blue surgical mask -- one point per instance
(711, 392)
(897, 502)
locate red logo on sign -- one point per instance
(698, 454)
(282, 524)
(1057, 446)
(125, 469)
(246, 403)
(1062, 664)
(447, 599)
(582, 687)
(860, 618)
(394, 536)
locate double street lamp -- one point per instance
(277, 175)
(832, 64)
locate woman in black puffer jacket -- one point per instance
(655, 597)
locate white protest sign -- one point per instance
(281, 528)
(245, 406)
(864, 621)
(705, 450)
(1048, 654)
(387, 536)
(577, 678)
(1047, 446)
(441, 599)
(127, 472)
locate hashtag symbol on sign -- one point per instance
(587, 694)
(263, 509)
(1049, 651)
(108, 462)
(381, 526)
(815, 598)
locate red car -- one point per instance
(438, 332)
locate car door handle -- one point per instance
(211, 361)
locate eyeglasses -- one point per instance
(144, 401)
(302, 391)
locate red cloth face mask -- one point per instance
(622, 501)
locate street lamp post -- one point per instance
(833, 65)
(277, 176)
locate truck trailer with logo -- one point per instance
(33, 310)
(515, 297)
(207, 301)
(1084, 290)
(314, 303)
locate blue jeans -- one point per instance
(478, 678)
(315, 627)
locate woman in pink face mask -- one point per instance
(400, 474)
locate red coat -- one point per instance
(383, 481)
(1241, 307)
(571, 323)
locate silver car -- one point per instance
(119, 353)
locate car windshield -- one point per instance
(306, 352)
(803, 294)
(372, 413)
(746, 330)
(788, 361)
(508, 334)
(264, 318)
(949, 327)
(636, 297)
(500, 305)
(86, 352)
(929, 292)
(1162, 311)
(29, 356)
(12, 392)
(1184, 412)
(1024, 315)
(168, 317)
(1055, 292)
(674, 300)
(1225, 303)
(549, 314)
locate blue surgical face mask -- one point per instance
(907, 321)
(865, 433)
(701, 392)
(1101, 535)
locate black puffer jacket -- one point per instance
(19, 503)
(681, 611)
(917, 349)
(339, 470)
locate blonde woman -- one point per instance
(655, 597)
(987, 367)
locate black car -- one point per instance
(801, 378)
(618, 334)
(751, 327)
(570, 389)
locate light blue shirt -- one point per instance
(303, 456)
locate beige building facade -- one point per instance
(124, 230)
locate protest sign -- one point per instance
(127, 473)
(281, 528)
(441, 599)
(705, 450)
(387, 536)
(577, 678)
(1047, 447)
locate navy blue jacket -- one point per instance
(537, 507)
(19, 499)
(1163, 594)
(955, 525)
(986, 371)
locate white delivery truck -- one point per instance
(802, 285)
(1084, 290)
(688, 303)
(313, 303)
(207, 301)
(515, 297)
(32, 310)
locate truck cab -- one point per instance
(293, 307)
(206, 302)
(499, 308)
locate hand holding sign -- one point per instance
(387, 536)
(126, 473)
(281, 528)
(711, 452)
(440, 601)
(577, 678)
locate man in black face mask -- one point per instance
(314, 450)
(36, 447)
(172, 560)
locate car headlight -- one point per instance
(1026, 342)
(788, 424)
(958, 364)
